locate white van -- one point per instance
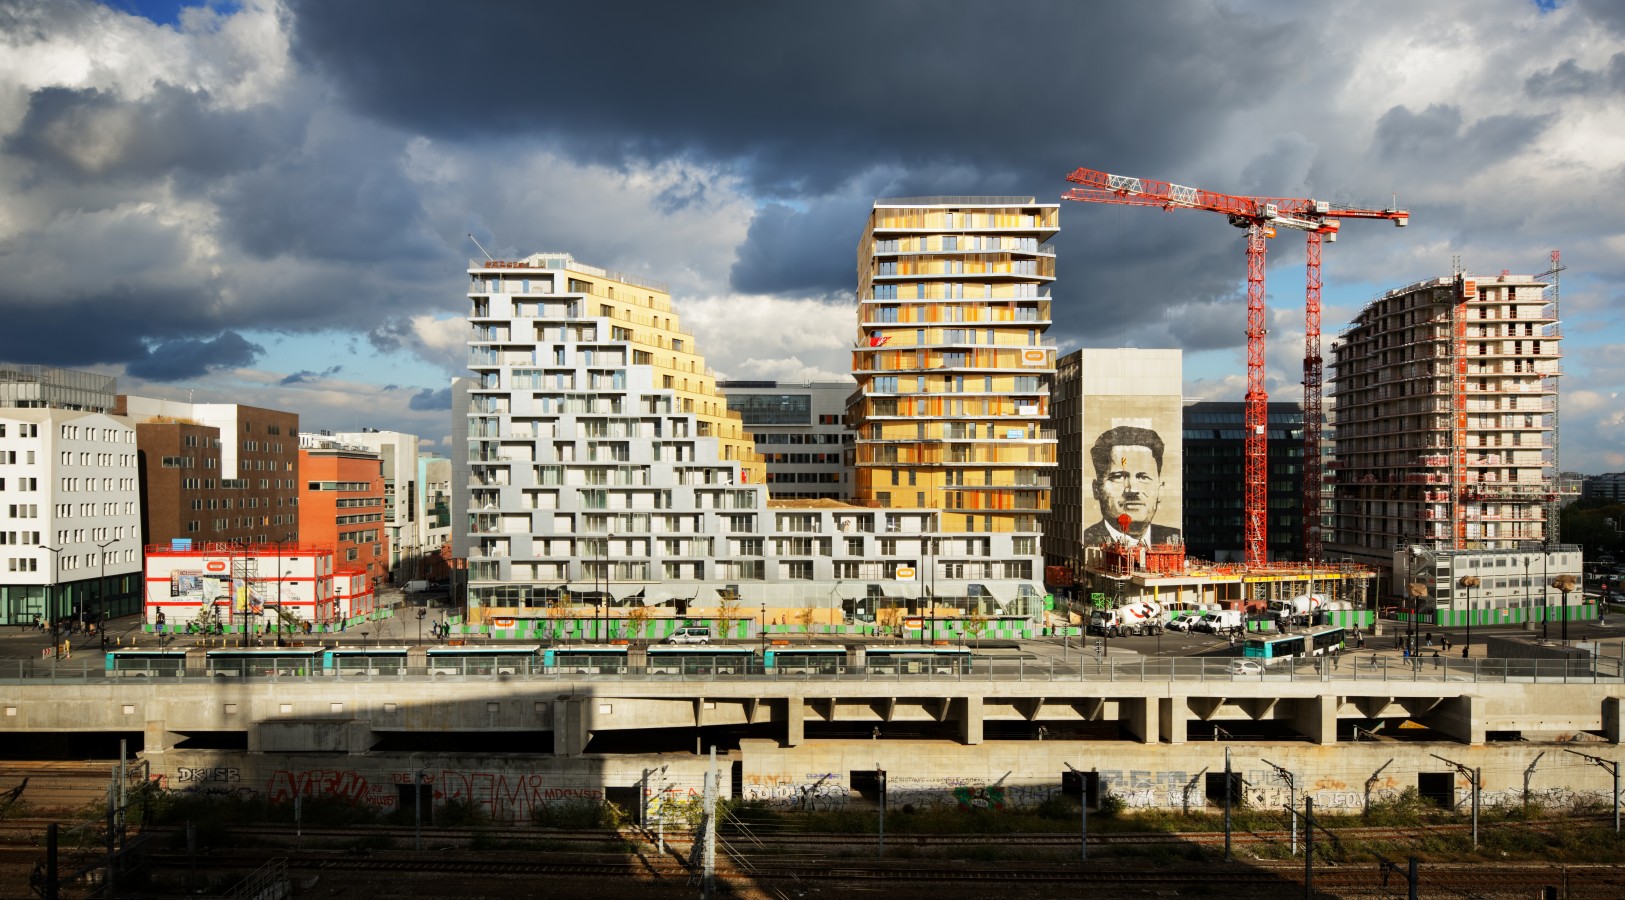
(690, 634)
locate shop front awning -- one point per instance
(1002, 592)
(852, 590)
(655, 594)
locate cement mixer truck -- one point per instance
(1300, 610)
(1135, 618)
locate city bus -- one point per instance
(491, 659)
(247, 661)
(151, 663)
(807, 659)
(1314, 642)
(586, 659)
(909, 659)
(700, 659)
(364, 660)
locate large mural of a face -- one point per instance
(1134, 469)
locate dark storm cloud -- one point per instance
(91, 134)
(429, 399)
(1570, 78)
(801, 96)
(306, 375)
(331, 203)
(1437, 138)
(776, 257)
(195, 358)
(1608, 13)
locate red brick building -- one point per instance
(215, 472)
(341, 504)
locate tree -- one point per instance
(728, 608)
(558, 612)
(889, 618)
(1565, 583)
(976, 623)
(639, 617)
(805, 620)
(1418, 591)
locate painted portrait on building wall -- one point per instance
(1132, 457)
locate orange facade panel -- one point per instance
(341, 505)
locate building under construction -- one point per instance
(1446, 421)
(1445, 398)
(1116, 574)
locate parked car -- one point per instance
(1245, 667)
(690, 634)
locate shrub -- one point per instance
(572, 814)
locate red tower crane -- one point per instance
(1260, 216)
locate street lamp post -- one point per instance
(1528, 603)
(51, 611)
(101, 579)
(1545, 590)
(763, 632)
(1468, 582)
(931, 564)
(279, 577)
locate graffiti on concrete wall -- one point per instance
(502, 796)
(345, 784)
(191, 775)
(510, 797)
(817, 791)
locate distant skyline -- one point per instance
(268, 202)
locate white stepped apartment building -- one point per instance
(70, 523)
(1445, 401)
(604, 464)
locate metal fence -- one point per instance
(1347, 667)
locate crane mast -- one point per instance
(1261, 217)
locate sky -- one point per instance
(269, 201)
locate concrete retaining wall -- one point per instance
(987, 779)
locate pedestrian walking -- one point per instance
(1428, 640)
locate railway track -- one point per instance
(1472, 880)
(22, 827)
(602, 858)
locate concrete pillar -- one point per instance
(1460, 718)
(1613, 709)
(1141, 715)
(358, 736)
(971, 726)
(1175, 716)
(1316, 717)
(795, 720)
(569, 726)
(156, 739)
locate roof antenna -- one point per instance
(477, 243)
